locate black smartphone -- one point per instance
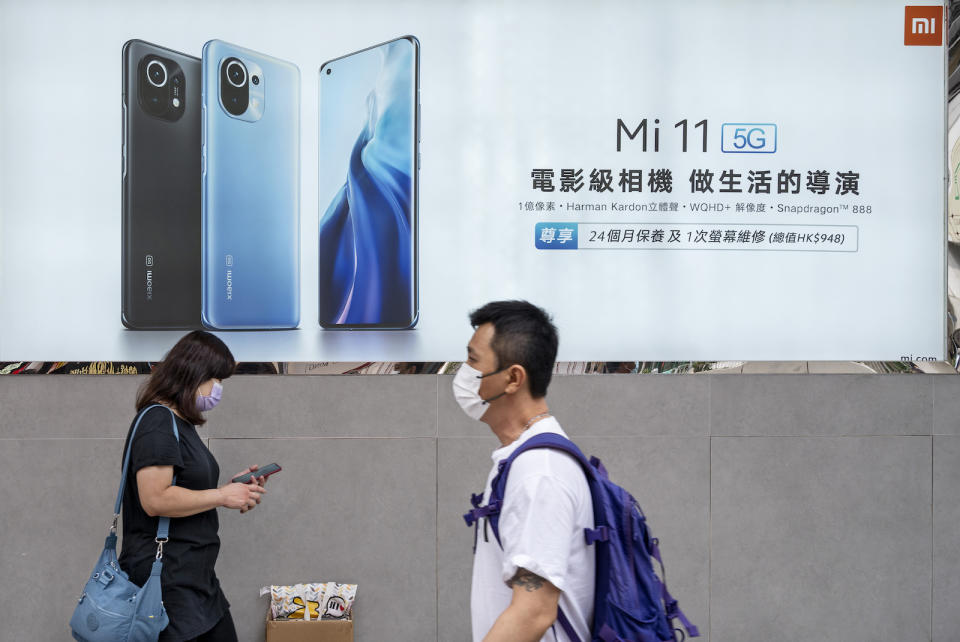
(160, 155)
(266, 471)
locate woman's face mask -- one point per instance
(208, 402)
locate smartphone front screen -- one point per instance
(368, 209)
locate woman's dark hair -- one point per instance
(195, 358)
(522, 334)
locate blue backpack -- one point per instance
(631, 603)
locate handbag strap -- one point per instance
(163, 525)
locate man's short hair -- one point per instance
(523, 334)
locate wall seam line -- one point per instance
(436, 499)
(710, 508)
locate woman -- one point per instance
(188, 382)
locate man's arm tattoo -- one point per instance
(526, 579)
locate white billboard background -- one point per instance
(507, 88)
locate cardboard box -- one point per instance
(312, 631)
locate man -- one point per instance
(545, 561)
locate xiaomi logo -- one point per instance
(923, 26)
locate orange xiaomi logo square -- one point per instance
(923, 26)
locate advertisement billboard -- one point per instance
(343, 181)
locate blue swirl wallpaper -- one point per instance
(367, 253)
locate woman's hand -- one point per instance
(254, 481)
(242, 497)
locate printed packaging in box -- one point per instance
(316, 612)
(308, 631)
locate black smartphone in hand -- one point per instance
(266, 471)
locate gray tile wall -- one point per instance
(790, 507)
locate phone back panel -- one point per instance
(161, 196)
(251, 196)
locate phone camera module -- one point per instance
(329, 71)
(162, 88)
(235, 83)
(156, 73)
(236, 74)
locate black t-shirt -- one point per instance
(191, 590)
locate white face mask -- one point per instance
(466, 390)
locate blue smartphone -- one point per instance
(251, 190)
(369, 162)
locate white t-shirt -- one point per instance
(546, 506)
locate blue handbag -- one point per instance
(112, 608)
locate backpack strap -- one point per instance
(499, 484)
(566, 626)
(163, 524)
(671, 606)
(605, 634)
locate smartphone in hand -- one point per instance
(266, 471)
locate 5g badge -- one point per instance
(748, 138)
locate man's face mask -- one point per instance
(466, 390)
